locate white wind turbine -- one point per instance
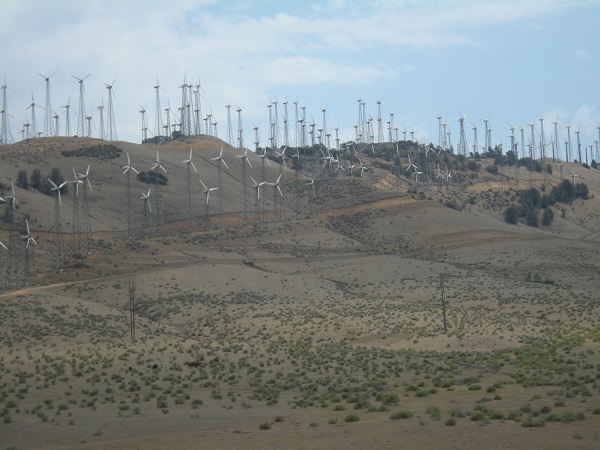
(256, 188)
(147, 208)
(85, 210)
(411, 165)
(220, 160)
(76, 242)
(573, 175)
(28, 238)
(188, 162)
(127, 168)
(276, 204)
(207, 192)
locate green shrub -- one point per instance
(434, 412)
(264, 426)
(401, 415)
(450, 422)
(352, 418)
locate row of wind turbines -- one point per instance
(288, 126)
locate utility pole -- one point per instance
(132, 309)
(443, 302)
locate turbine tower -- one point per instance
(188, 162)
(568, 144)
(33, 124)
(111, 129)
(462, 142)
(76, 241)
(144, 128)
(220, 160)
(101, 109)
(86, 224)
(207, 192)
(245, 160)
(240, 130)
(229, 131)
(67, 117)
(155, 166)
(48, 128)
(127, 168)
(5, 134)
(158, 126)
(28, 252)
(380, 137)
(81, 116)
(147, 209)
(59, 248)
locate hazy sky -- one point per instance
(510, 60)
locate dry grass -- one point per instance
(312, 333)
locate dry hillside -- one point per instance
(319, 323)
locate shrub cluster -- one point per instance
(531, 201)
(106, 151)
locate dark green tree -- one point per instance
(511, 215)
(547, 217)
(22, 179)
(35, 180)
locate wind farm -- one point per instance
(326, 225)
(297, 252)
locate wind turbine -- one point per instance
(59, 249)
(220, 160)
(147, 208)
(127, 168)
(573, 175)
(48, 116)
(81, 116)
(207, 192)
(256, 188)
(276, 204)
(32, 106)
(76, 242)
(189, 163)
(111, 134)
(85, 210)
(68, 117)
(155, 166)
(310, 182)
(245, 160)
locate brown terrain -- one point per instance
(320, 326)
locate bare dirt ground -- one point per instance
(322, 332)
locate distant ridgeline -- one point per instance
(531, 201)
(106, 151)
